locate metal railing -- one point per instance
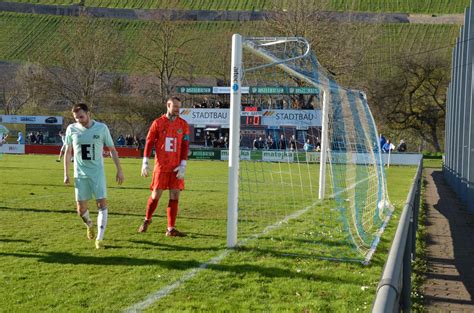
(394, 289)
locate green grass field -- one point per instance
(47, 264)
(412, 6)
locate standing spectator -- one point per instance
(20, 139)
(214, 141)
(402, 147)
(221, 142)
(207, 139)
(136, 141)
(317, 145)
(129, 140)
(261, 143)
(308, 146)
(282, 142)
(32, 137)
(270, 143)
(383, 141)
(226, 141)
(40, 138)
(141, 146)
(387, 147)
(293, 143)
(255, 144)
(120, 141)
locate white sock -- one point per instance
(170, 228)
(101, 223)
(86, 218)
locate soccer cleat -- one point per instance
(90, 233)
(99, 244)
(175, 233)
(144, 226)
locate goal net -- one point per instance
(305, 170)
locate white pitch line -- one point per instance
(163, 292)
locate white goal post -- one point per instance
(238, 43)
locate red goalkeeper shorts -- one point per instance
(166, 180)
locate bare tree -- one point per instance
(14, 93)
(127, 111)
(82, 65)
(341, 45)
(413, 98)
(164, 53)
(220, 64)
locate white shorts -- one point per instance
(86, 188)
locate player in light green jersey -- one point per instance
(87, 138)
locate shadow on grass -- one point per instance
(314, 254)
(266, 271)
(14, 240)
(111, 212)
(72, 212)
(169, 247)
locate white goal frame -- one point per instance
(238, 43)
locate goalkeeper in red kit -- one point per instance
(169, 135)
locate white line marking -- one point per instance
(163, 292)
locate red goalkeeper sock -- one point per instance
(151, 207)
(172, 212)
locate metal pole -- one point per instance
(234, 141)
(469, 142)
(324, 147)
(467, 59)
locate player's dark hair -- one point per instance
(80, 106)
(173, 98)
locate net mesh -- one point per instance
(279, 167)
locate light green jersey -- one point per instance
(88, 145)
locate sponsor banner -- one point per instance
(205, 116)
(194, 89)
(205, 154)
(277, 90)
(298, 118)
(313, 157)
(258, 90)
(244, 155)
(226, 90)
(367, 158)
(272, 118)
(12, 148)
(277, 156)
(25, 119)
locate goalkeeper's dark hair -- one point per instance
(173, 98)
(80, 106)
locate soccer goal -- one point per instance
(318, 188)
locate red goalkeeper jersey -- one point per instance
(171, 142)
